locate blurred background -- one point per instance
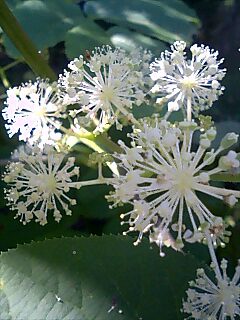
(64, 29)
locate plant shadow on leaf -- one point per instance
(163, 20)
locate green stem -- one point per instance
(103, 144)
(189, 109)
(82, 159)
(4, 79)
(91, 182)
(13, 64)
(92, 144)
(100, 143)
(20, 39)
(213, 256)
(226, 177)
(108, 145)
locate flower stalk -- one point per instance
(22, 42)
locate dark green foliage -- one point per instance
(82, 278)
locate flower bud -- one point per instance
(211, 133)
(205, 143)
(229, 140)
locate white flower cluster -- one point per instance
(34, 110)
(217, 299)
(38, 183)
(102, 89)
(191, 84)
(162, 176)
(105, 86)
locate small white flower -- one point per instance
(161, 238)
(33, 110)
(192, 84)
(218, 232)
(230, 161)
(38, 183)
(217, 299)
(162, 176)
(142, 58)
(105, 87)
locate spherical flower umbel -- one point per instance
(104, 87)
(162, 177)
(33, 109)
(190, 83)
(38, 183)
(217, 299)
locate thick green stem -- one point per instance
(107, 144)
(226, 177)
(100, 143)
(103, 144)
(20, 39)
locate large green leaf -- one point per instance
(129, 40)
(166, 20)
(85, 36)
(45, 21)
(92, 278)
(13, 232)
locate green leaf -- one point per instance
(226, 177)
(165, 20)
(92, 278)
(91, 201)
(143, 110)
(45, 21)
(129, 40)
(23, 44)
(85, 36)
(13, 232)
